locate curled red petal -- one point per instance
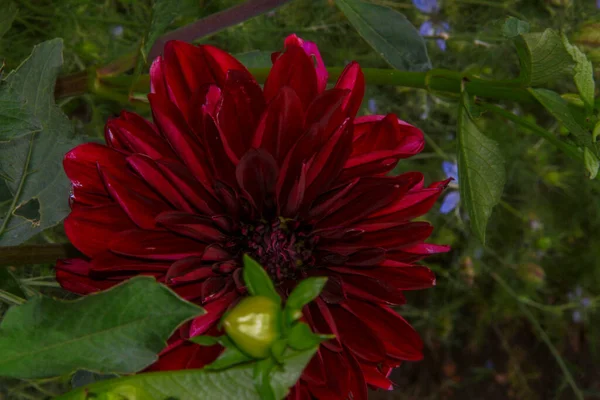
(311, 49)
(294, 68)
(352, 79)
(91, 228)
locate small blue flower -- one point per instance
(451, 200)
(117, 30)
(586, 302)
(576, 296)
(451, 170)
(489, 364)
(597, 3)
(430, 28)
(428, 6)
(372, 106)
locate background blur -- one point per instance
(502, 317)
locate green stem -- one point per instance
(11, 298)
(436, 80)
(36, 254)
(568, 149)
(542, 334)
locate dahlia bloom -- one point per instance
(285, 173)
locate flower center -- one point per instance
(282, 247)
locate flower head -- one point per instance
(452, 199)
(431, 28)
(287, 174)
(427, 6)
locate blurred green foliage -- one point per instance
(540, 266)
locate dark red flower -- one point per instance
(286, 173)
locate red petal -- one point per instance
(189, 269)
(194, 226)
(329, 200)
(379, 142)
(389, 239)
(312, 50)
(132, 133)
(188, 68)
(173, 126)
(353, 79)
(295, 69)
(81, 165)
(399, 338)
(326, 112)
(257, 174)
(91, 228)
(358, 385)
(155, 245)
(185, 355)
(416, 252)
(107, 264)
(134, 197)
(190, 187)
(315, 373)
(72, 275)
(328, 162)
(281, 125)
(320, 319)
(399, 278)
(239, 111)
(357, 336)
(375, 378)
(367, 289)
(218, 152)
(151, 173)
(361, 202)
(214, 311)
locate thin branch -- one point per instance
(36, 254)
(215, 22)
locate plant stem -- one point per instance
(215, 22)
(568, 149)
(11, 298)
(36, 254)
(437, 81)
(544, 336)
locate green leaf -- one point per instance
(257, 280)
(584, 73)
(204, 340)
(480, 169)
(596, 132)
(543, 57)
(389, 33)
(255, 59)
(305, 292)
(591, 162)
(230, 357)
(34, 191)
(559, 108)
(514, 27)
(278, 349)
(15, 119)
(8, 12)
(120, 330)
(10, 284)
(83, 377)
(235, 383)
(164, 12)
(301, 337)
(262, 378)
